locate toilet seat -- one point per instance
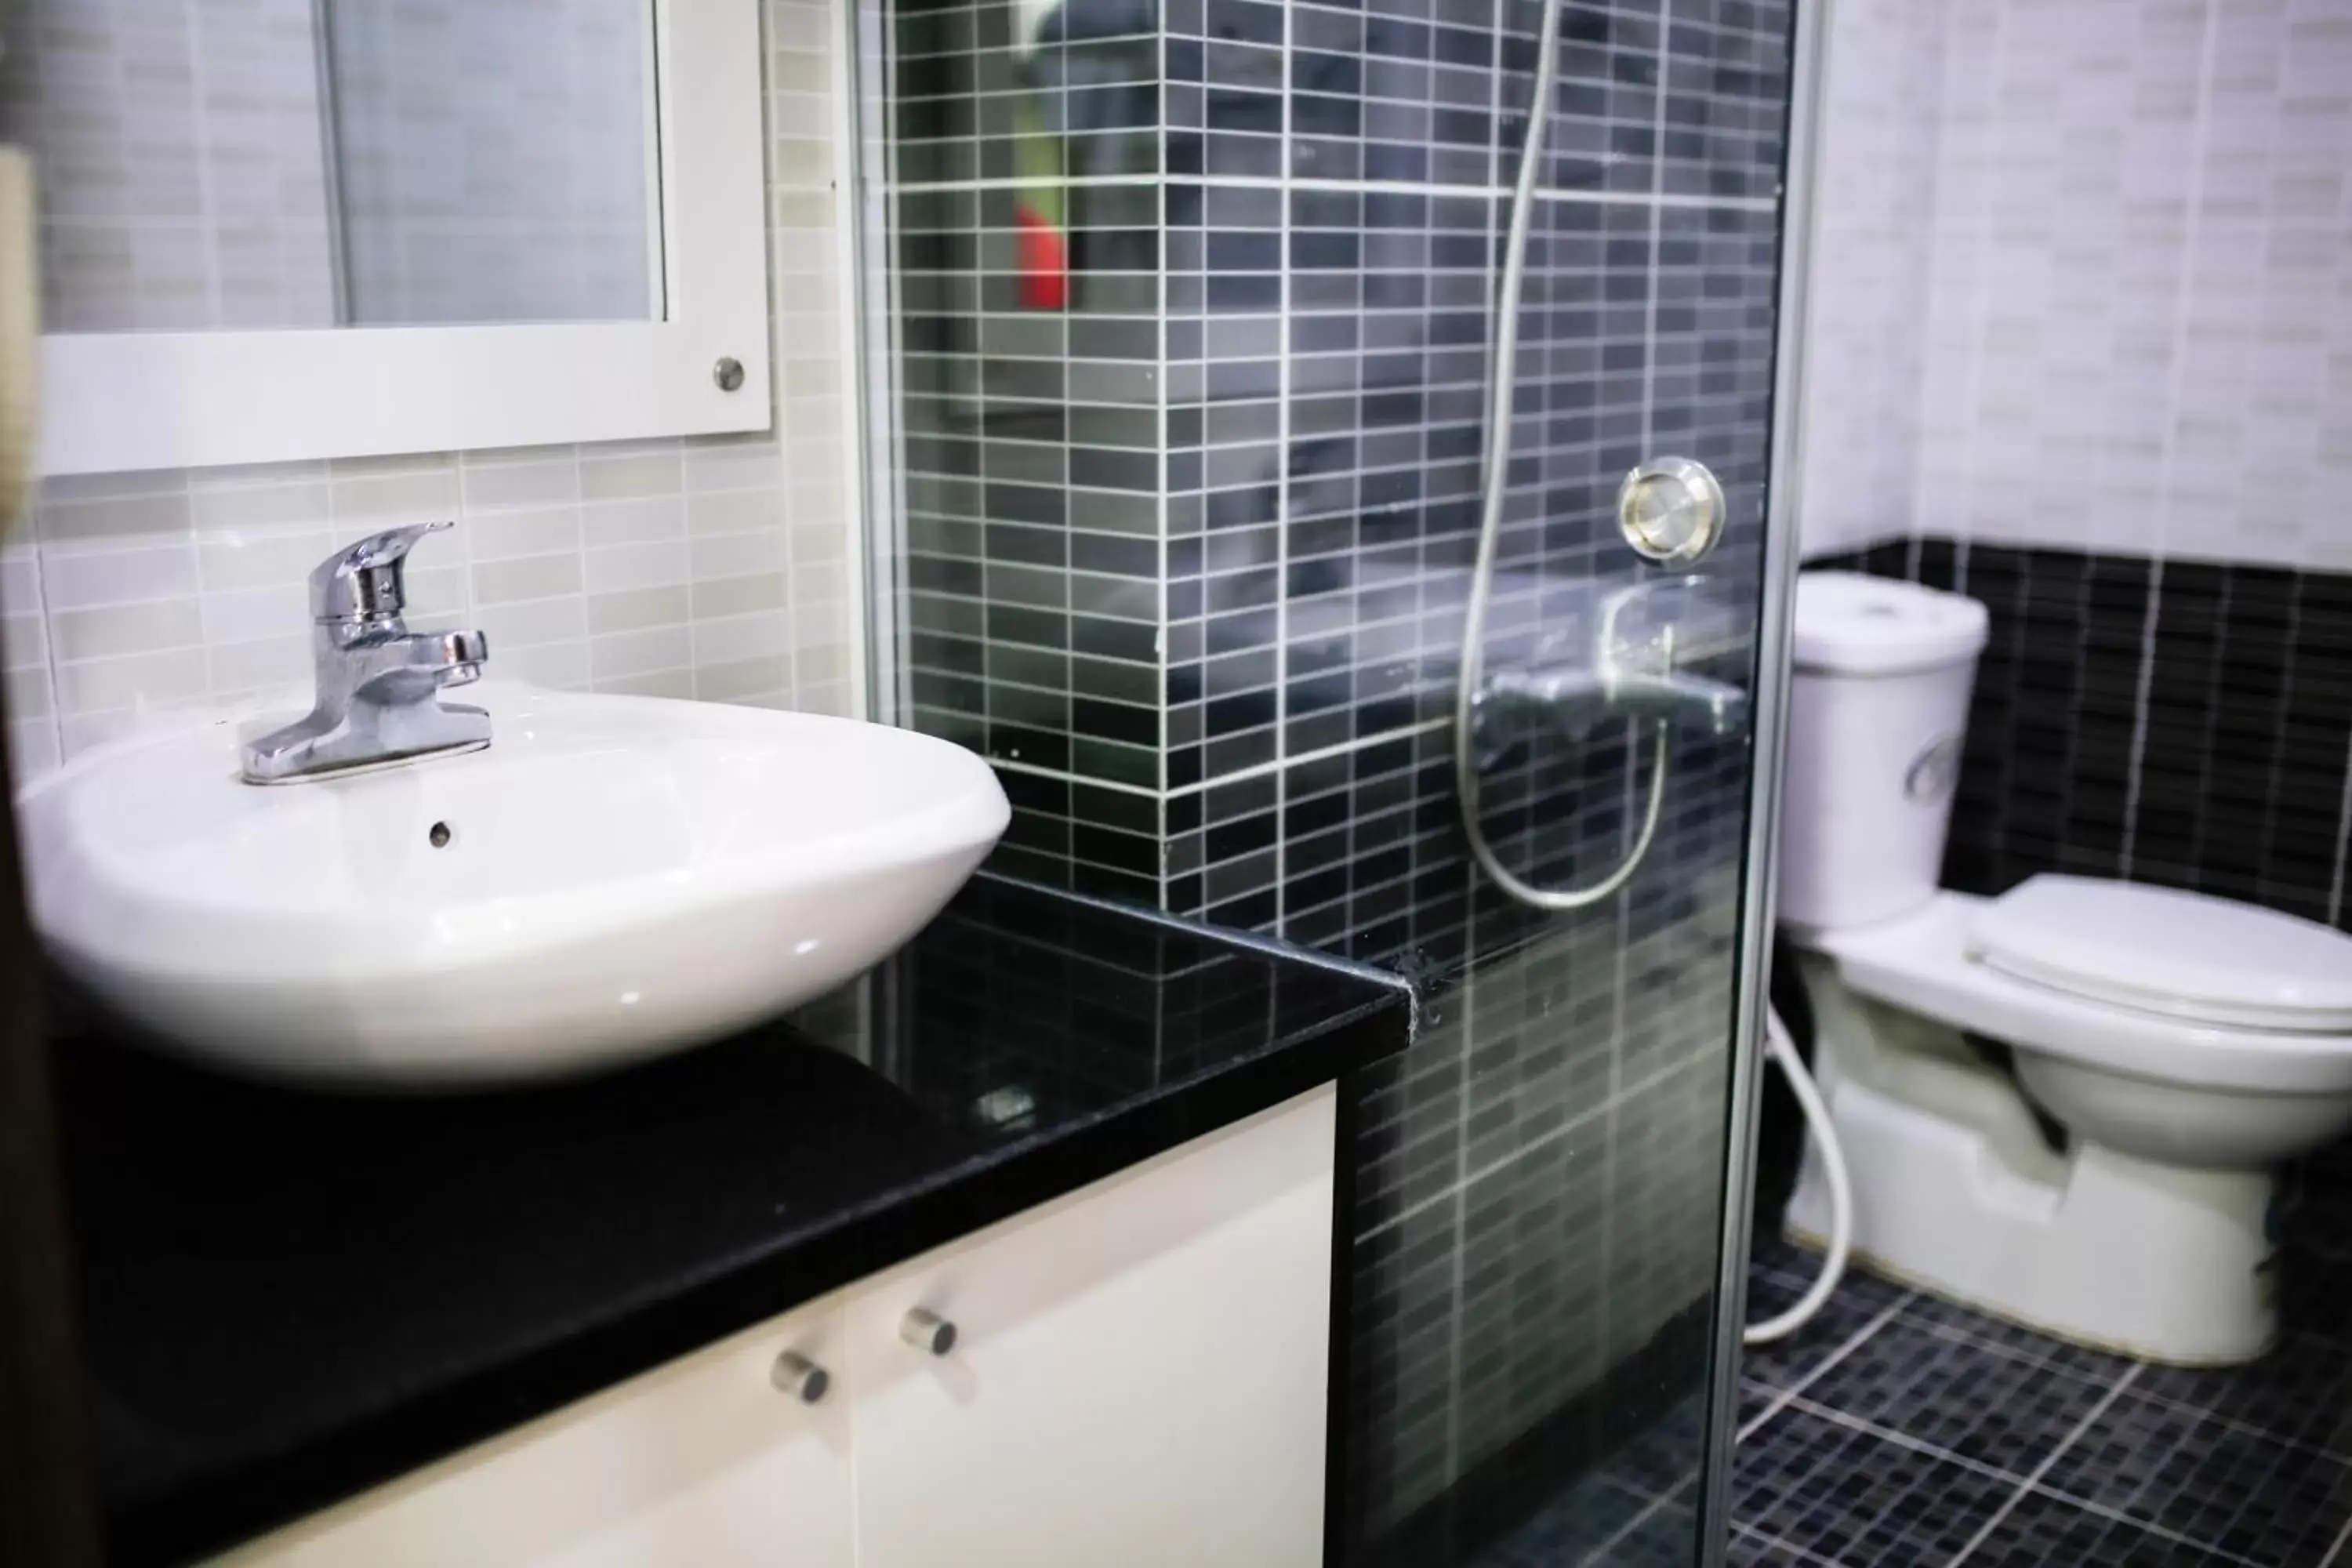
(2179, 954)
(1922, 963)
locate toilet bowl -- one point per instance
(2062, 1105)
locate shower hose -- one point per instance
(1471, 669)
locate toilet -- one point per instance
(2063, 1105)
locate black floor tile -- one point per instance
(1755, 1398)
(2080, 1359)
(1668, 1538)
(2201, 1468)
(1665, 1459)
(1751, 1551)
(1779, 1259)
(2241, 1492)
(1856, 1499)
(2302, 1390)
(2044, 1531)
(1978, 1400)
(1586, 1518)
(1774, 1285)
(2198, 1468)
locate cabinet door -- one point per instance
(704, 1461)
(1138, 1375)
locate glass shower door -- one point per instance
(1184, 321)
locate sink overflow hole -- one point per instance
(439, 836)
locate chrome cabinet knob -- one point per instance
(802, 1378)
(1671, 510)
(926, 1331)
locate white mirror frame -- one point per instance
(118, 401)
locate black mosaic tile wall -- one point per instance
(2182, 722)
(1188, 558)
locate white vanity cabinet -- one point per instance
(1138, 1376)
(701, 1462)
(1134, 1374)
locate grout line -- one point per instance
(1778, 1543)
(1836, 1417)
(2176, 383)
(2336, 887)
(191, 23)
(1854, 1343)
(1978, 296)
(1013, 765)
(1356, 187)
(29, 527)
(2185, 283)
(2049, 1461)
(1467, 999)
(1258, 769)
(1163, 510)
(1338, 749)
(1283, 459)
(1600, 1554)
(1657, 237)
(2335, 1552)
(2136, 755)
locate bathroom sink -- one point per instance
(613, 879)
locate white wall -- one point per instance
(1874, 213)
(2137, 334)
(721, 568)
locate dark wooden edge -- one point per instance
(49, 1509)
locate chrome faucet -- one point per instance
(1620, 679)
(1574, 698)
(378, 682)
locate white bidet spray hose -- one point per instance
(1833, 1156)
(1471, 667)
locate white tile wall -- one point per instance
(2262, 416)
(1873, 209)
(2068, 161)
(721, 568)
(2136, 331)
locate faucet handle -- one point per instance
(362, 580)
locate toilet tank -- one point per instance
(1878, 706)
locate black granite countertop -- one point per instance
(288, 1297)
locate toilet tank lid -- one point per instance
(2186, 956)
(1849, 624)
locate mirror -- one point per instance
(282, 230)
(240, 165)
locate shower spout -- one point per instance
(1512, 705)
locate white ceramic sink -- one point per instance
(614, 877)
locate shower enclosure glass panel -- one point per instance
(1181, 324)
